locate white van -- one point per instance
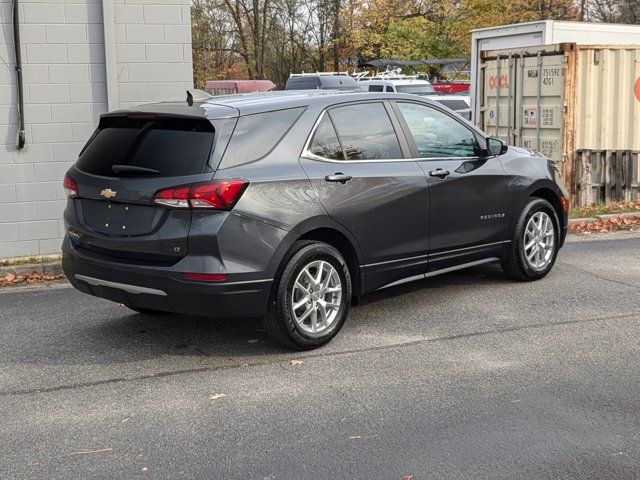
(409, 84)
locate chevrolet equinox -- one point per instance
(291, 205)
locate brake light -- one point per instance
(142, 116)
(70, 186)
(216, 195)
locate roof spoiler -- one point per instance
(197, 95)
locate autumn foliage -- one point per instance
(272, 38)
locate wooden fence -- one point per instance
(606, 176)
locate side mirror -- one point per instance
(496, 147)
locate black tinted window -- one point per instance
(437, 134)
(416, 89)
(302, 83)
(325, 141)
(390, 89)
(256, 135)
(375, 88)
(454, 104)
(172, 146)
(366, 132)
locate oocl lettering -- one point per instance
(501, 81)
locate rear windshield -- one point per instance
(302, 83)
(419, 89)
(454, 104)
(338, 82)
(169, 146)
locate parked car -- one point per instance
(409, 84)
(461, 104)
(292, 205)
(321, 81)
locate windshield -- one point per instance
(420, 89)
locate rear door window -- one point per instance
(256, 135)
(366, 132)
(169, 146)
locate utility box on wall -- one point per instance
(579, 105)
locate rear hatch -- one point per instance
(126, 162)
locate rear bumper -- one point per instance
(163, 289)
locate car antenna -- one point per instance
(197, 95)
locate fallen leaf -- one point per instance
(125, 420)
(215, 396)
(144, 469)
(295, 362)
(407, 477)
(30, 278)
(89, 452)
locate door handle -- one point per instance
(338, 177)
(439, 172)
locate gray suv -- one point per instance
(291, 205)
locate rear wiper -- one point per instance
(133, 169)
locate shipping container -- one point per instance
(544, 32)
(579, 105)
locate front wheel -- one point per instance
(534, 245)
(312, 298)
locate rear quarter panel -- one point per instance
(279, 197)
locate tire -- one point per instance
(288, 325)
(517, 264)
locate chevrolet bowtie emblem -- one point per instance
(108, 193)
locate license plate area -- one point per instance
(120, 219)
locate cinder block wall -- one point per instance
(71, 76)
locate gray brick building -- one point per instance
(80, 58)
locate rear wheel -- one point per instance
(312, 297)
(534, 245)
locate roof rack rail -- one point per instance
(315, 74)
(385, 75)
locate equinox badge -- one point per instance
(108, 193)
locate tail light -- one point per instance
(216, 195)
(70, 186)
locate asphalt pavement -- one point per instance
(467, 375)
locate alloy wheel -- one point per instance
(539, 241)
(316, 297)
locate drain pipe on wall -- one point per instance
(16, 44)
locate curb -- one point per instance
(573, 221)
(53, 268)
(608, 216)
